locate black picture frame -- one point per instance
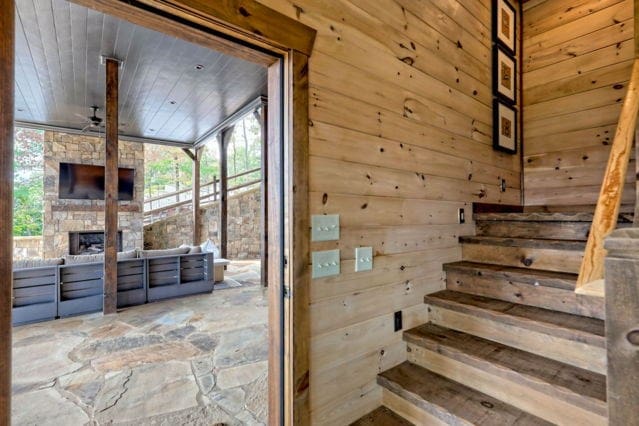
(497, 49)
(497, 133)
(511, 49)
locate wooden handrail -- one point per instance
(209, 183)
(202, 198)
(609, 202)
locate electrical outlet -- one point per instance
(363, 259)
(502, 186)
(398, 321)
(325, 227)
(325, 263)
(462, 216)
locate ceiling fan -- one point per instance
(93, 122)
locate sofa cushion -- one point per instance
(71, 259)
(37, 263)
(209, 246)
(192, 249)
(159, 253)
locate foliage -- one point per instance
(28, 194)
(169, 169)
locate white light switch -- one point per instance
(363, 259)
(325, 227)
(325, 263)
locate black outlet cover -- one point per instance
(398, 320)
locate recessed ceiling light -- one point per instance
(199, 67)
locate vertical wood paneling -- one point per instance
(577, 62)
(6, 208)
(400, 140)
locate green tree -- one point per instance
(28, 167)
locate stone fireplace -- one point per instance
(63, 217)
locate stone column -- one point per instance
(622, 326)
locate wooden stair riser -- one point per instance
(427, 398)
(571, 352)
(558, 299)
(524, 257)
(510, 391)
(409, 411)
(544, 230)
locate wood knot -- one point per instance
(526, 261)
(633, 337)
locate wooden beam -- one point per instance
(607, 210)
(195, 195)
(622, 326)
(636, 21)
(7, 38)
(224, 138)
(262, 118)
(248, 20)
(189, 153)
(111, 189)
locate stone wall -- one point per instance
(27, 247)
(244, 230)
(64, 216)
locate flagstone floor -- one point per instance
(199, 360)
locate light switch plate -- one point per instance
(325, 263)
(363, 259)
(325, 227)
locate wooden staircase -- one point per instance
(509, 342)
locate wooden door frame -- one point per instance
(251, 31)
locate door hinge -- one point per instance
(285, 261)
(287, 292)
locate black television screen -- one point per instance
(85, 182)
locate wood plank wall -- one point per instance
(576, 65)
(400, 139)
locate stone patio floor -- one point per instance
(199, 360)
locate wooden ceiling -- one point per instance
(170, 90)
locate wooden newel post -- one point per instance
(111, 189)
(7, 37)
(622, 326)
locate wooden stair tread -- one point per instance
(382, 416)
(561, 280)
(526, 242)
(559, 324)
(546, 217)
(450, 401)
(572, 384)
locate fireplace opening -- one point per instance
(89, 242)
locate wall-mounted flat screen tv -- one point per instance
(85, 182)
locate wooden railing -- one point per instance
(609, 202)
(209, 192)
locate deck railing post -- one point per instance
(622, 326)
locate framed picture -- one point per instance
(505, 25)
(505, 127)
(504, 75)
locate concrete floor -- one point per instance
(199, 360)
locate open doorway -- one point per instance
(288, 376)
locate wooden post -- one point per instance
(607, 210)
(223, 139)
(263, 120)
(622, 326)
(195, 195)
(636, 217)
(111, 189)
(7, 37)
